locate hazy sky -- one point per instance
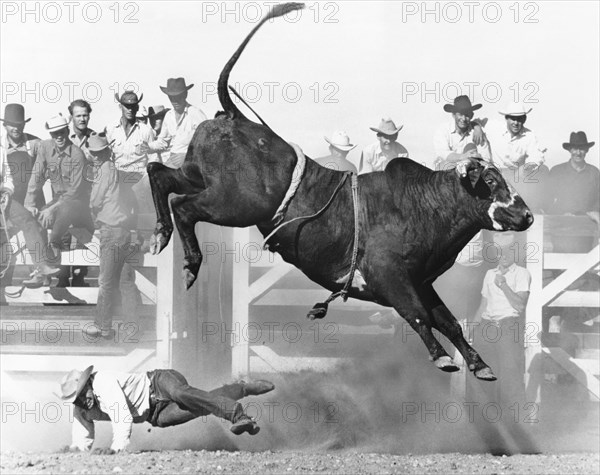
(336, 65)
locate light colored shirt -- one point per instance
(106, 202)
(336, 163)
(123, 398)
(126, 158)
(81, 142)
(513, 152)
(373, 159)
(6, 181)
(447, 140)
(517, 278)
(176, 134)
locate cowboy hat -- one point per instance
(157, 111)
(98, 142)
(14, 114)
(175, 86)
(73, 383)
(128, 98)
(462, 104)
(386, 127)
(577, 139)
(56, 123)
(515, 108)
(340, 140)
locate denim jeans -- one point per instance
(178, 402)
(115, 246)
(36, 240)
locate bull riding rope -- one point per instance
(319, 310)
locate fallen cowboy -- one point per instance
(161, 397)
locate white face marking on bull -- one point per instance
(497, 204)
(358, 282)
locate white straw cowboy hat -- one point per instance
(340, 140)
(387, 127)
(73, 383)
(57, 122)
(515, 108)
(142, 113)
(98, 142)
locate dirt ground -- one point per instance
(220, 461)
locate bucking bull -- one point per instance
(387, 244)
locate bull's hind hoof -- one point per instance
(485, 374)
(446, 364)
(157, 243)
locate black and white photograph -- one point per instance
(283, 237)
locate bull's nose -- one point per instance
(529, 217)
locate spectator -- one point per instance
(339, 147)
(575, 185)
(161, 397)
(500, 323)
(451, 140)
(156, 115)
(20, 217)
(63, 163)
(114, 220)
(142, 115)
(518, 154)
(79, 133)
(376, 156)
(179, 124)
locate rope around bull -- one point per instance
(319, 310)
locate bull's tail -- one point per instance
(228, 106)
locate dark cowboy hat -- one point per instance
(462, 104)
(14, 114)
(157, 111)
(175, 86)
(73, 383)
(98, 142)
(578, 139)
(128, 98)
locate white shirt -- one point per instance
(176, 135)
(126, 159)
(517, 278)
(513, 152)
(447, 140)
(123, 398)
(373, 159)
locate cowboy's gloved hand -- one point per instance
(478, 135)
(104, 451)
(46, 217)
(4, 200)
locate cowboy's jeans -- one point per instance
(177, 402)
(115, 246)
(35, 239)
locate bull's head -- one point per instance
(507, 211)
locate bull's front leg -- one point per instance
(447, 324)
(163, 180)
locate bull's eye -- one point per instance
(490, 182)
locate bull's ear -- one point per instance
(465, 166)
(470, 177)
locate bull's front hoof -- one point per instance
(158, 242)
(446, 364)
(485, 374)
(188, 278)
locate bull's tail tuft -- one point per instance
(224, 97)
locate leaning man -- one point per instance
(161, 397)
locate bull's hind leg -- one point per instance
(187, 213)
(446, 323)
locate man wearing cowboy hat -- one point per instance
(161, 397)
(518, 154)
(376, 156)
(114, 221)
(179, 124)
(61, 161)
(18, 156)
(575, 185)
(451, 140)
(156, 115)
(339, 147)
